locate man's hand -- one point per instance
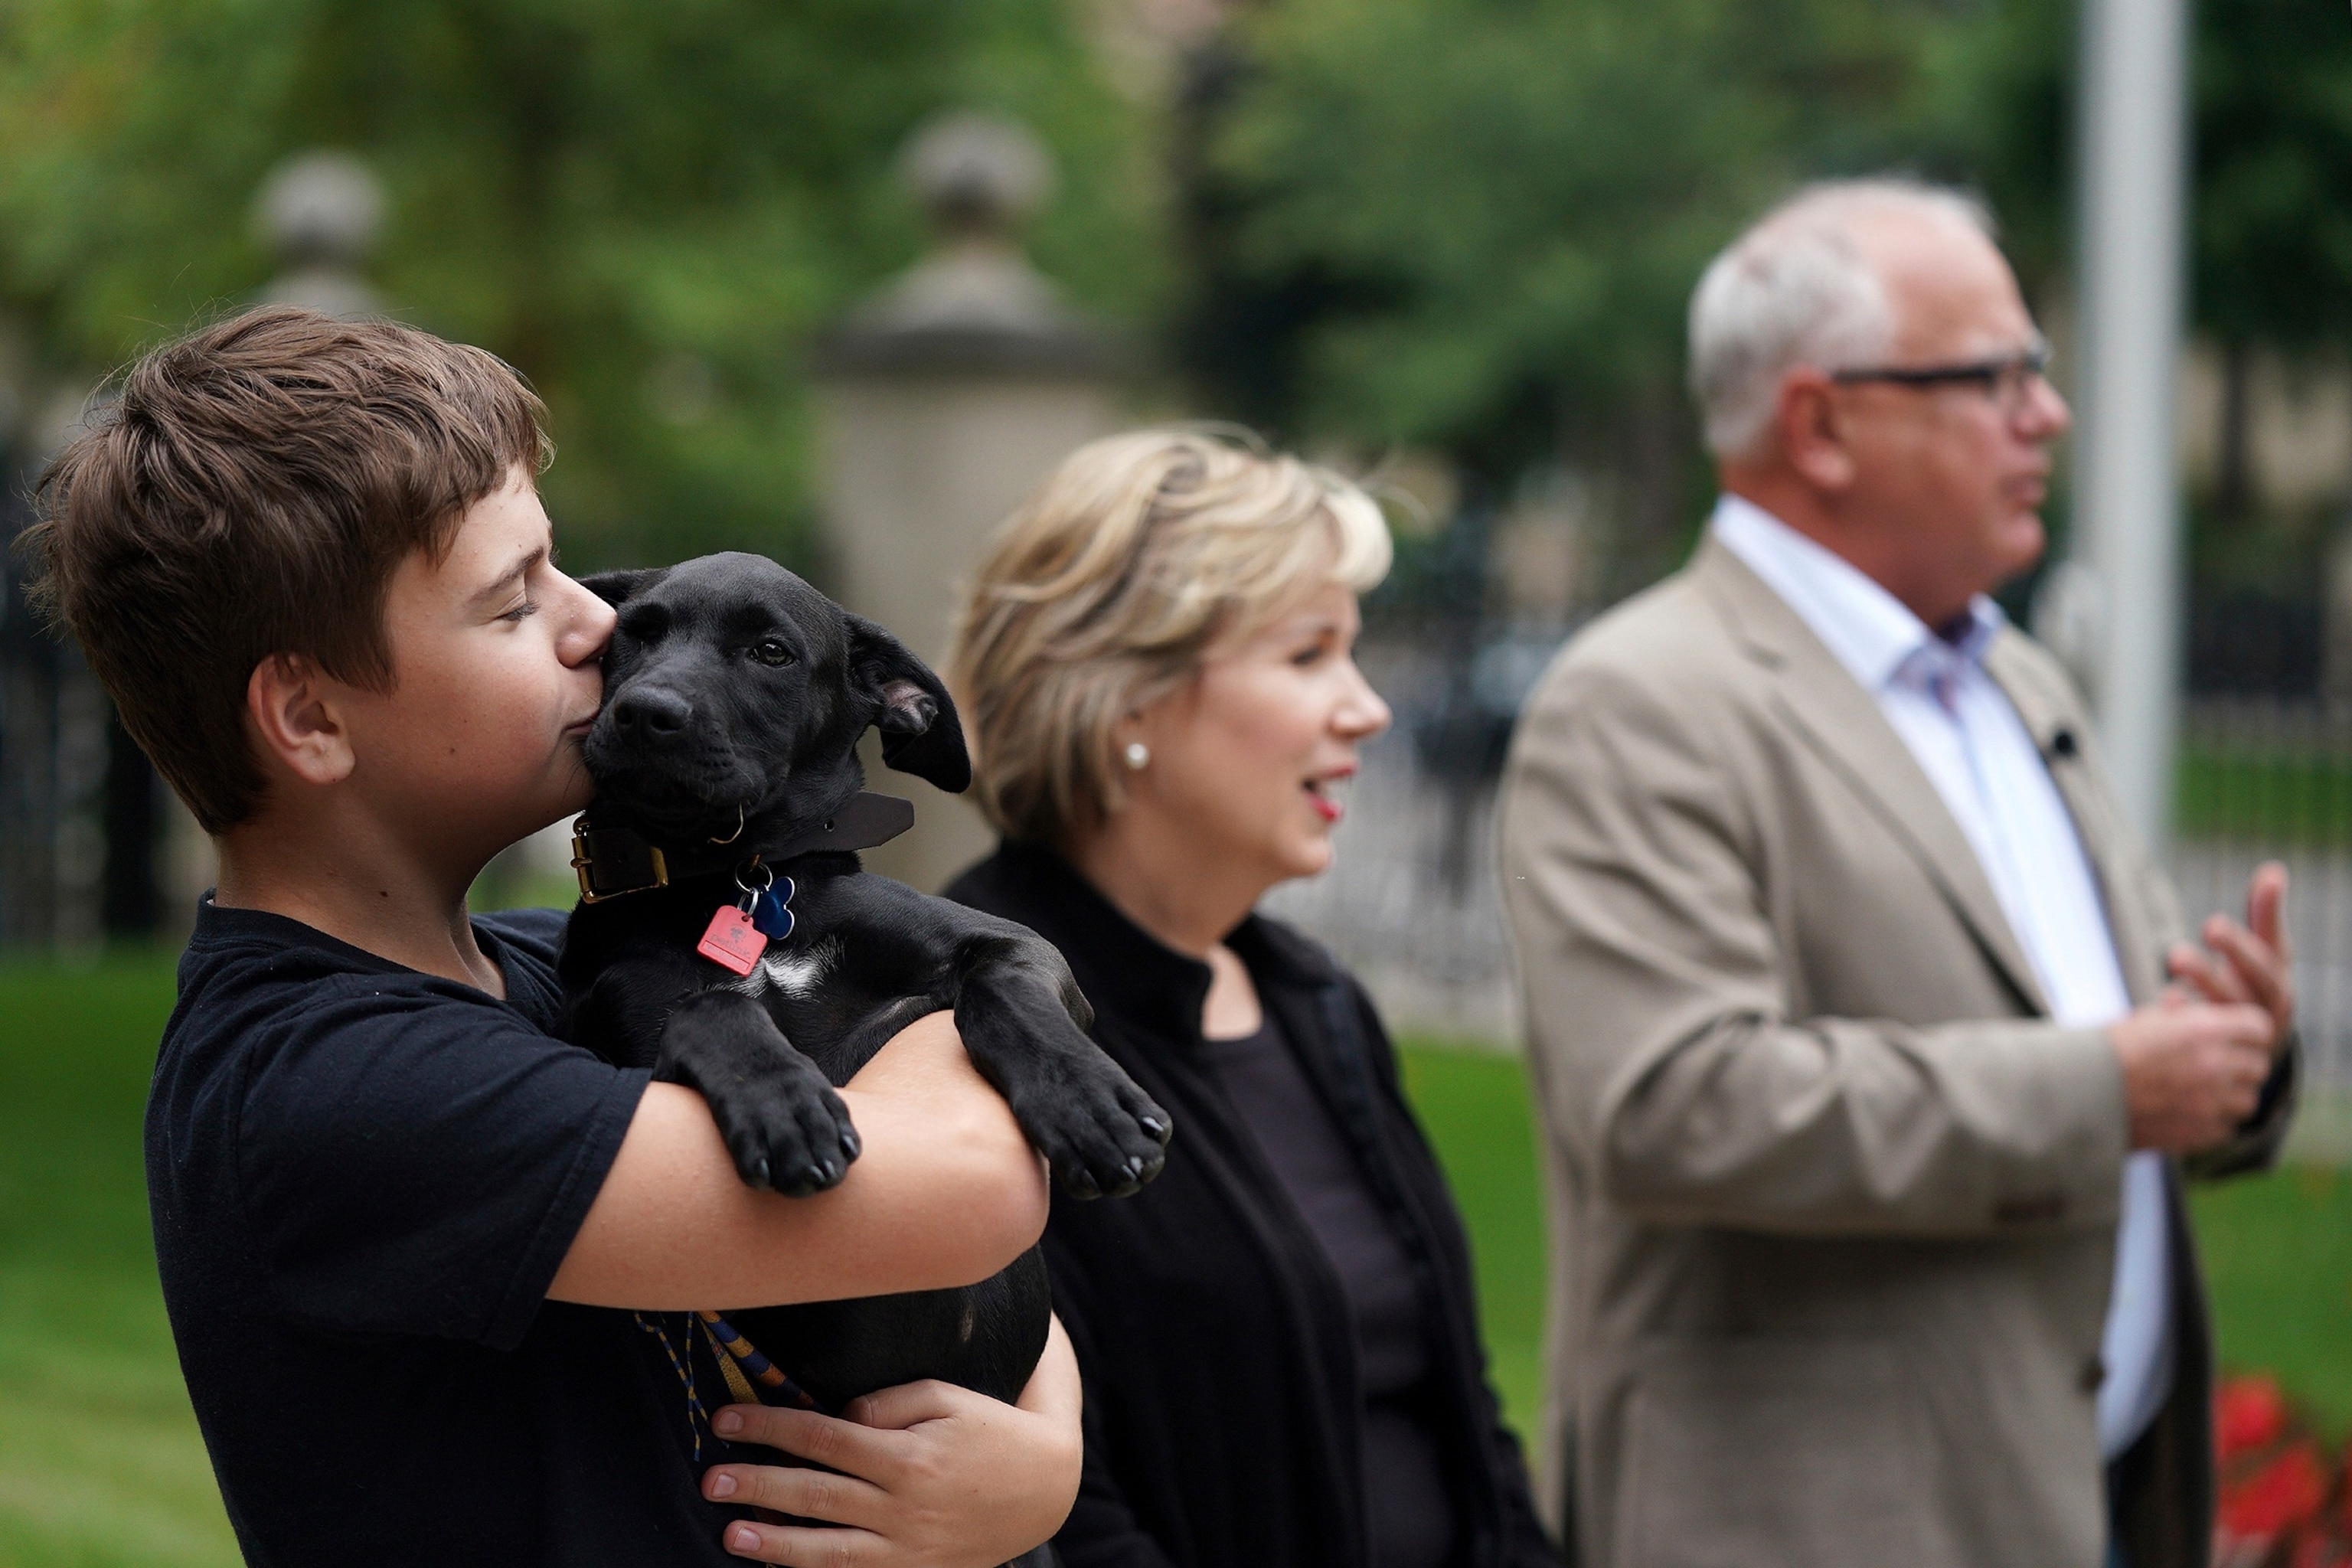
(933, 1476)
(2247, 963)
(2192, 1070)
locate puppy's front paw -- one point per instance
(1103, 1136)
(783, 1125)
(785, 1128)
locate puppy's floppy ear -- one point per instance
(921, 733)
(617, 588)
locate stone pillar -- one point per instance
(942, 401)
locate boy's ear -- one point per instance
(617, 588)
(295, 719)
(921, 733)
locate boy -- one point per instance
(429, 1270)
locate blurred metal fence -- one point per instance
(53, 773)
(1412, 904)
(2268, 779)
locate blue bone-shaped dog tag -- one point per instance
(771, 915)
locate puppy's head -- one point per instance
(733, 687)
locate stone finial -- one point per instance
(321, 212)
(975, 305)
(978, 174)
(321, 206)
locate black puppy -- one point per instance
(727, 783)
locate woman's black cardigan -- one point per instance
(1222, 1411)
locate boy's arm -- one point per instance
(946, 1191)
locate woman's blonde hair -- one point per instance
(1101, 593)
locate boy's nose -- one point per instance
(590, 630)
(651, 712)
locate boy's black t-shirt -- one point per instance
(363, 1180)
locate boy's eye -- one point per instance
(768, 650)
(520, 611)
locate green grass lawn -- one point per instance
(100, 1459)
(2287, 799)
(2278, 1257)
(1473, 1105)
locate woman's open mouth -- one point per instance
(1328, 794)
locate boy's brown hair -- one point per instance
(248, 495)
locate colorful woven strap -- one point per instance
(696, 1421)
(743, 1360)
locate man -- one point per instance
(1865, 1033)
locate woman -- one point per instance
(1278, 1337)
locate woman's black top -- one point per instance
(1408, 1498)
(1251, 1371)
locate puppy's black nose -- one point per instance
(654, 714)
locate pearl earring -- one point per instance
(1138, 756)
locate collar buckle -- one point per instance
(610, 862)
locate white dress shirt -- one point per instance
(1972, 745)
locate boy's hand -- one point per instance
(933, 1475)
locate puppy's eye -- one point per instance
(770, 650)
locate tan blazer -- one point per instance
(1832, 1201)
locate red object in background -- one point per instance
(2285, 1501)
(2249, 1413)
(2282, 1495)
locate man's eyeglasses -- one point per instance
(2006, 379)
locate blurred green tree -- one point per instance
(1475, 223)
(646, 208)
(2269, 235)
(2273, 174)
(1505, 204)
(2270, 206)
(2272, 255)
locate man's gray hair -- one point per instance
(1797, 289)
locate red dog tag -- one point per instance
(731, 941)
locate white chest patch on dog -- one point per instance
(793, 973)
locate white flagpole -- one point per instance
(2127, 480)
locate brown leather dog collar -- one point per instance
(613, 861)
